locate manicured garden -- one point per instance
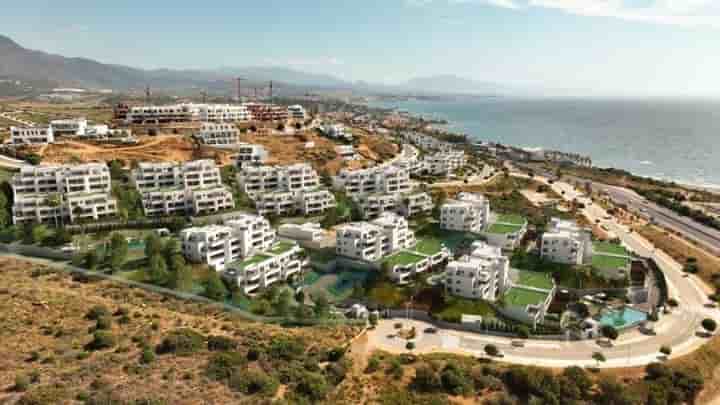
(535, 279)
(522, 297)
(609, 248)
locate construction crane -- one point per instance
(239, 88)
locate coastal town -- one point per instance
(429, 240)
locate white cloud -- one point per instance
(698, 13)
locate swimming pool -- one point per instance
(623, 318)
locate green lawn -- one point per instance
(609, 248)
(428, 246)
(455, 307)
(403, 259)
(311, 278)
(609, 262)
(451, 239)
(498, 228)
(521, 297)
(281, 247)
(511, 219)
(240, 266)
(535, 279)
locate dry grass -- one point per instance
(679, 249)
(46, 314)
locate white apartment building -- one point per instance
(371, 241)
(281, 262)
(259, 179)
(288, 203)
(407, 205)
(409, 160)
(219, 245)
(444, 163)
(427, 142)
(483, 274)
(307, 231)
(347, 152)
(336, 131)
(193, 188)
(220, 112)
(250, 154)
(31, 135)
(297, 112)
(468, 212)
(565, 242)
(412, 204)
(386, 179)
(159, 114)
(72, 127)
(196, 173)
(50, 194)
(218, 134)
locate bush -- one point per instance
(253, 354)
(523, 332)
(101, 340)
(286, 348)
(709, 324)
(373, 365)
(454, 380)
(313, 386)
(221, 344)
(426, 379)
(222, 365)
(22, 383)
(410, 345)
(492, 350)
(103, 323)
(97, 312)
(147, 356)
(181, 342)
(251, 382)
(665, 350)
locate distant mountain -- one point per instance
(451, 84)
(19, 63)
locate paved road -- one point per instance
(678, 330)
(662, 216)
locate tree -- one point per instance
(181, 275)
(118, 251)
(157, 270)
(92, 260)
(665, 350)
(491, 350)
(322, 306)
(609, 332)
(523, 332)
(171, 249)
(215, 288)
(709, 325)
(598, 357)
(283, 302)
(5, 218)
(580, 378)
(153, 245)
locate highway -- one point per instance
(662, 216)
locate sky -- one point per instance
(606, 47)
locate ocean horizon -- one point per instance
(673, 140)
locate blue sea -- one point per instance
(675, 140)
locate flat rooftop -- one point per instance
(403, 259)
(428, 246)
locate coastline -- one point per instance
(571, 143)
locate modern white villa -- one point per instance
(407, 205)
(297, 112)
(374, 240)
(219, 245)
(468, 212)
(71, 127)
(505, 231)
(566, 242)
(49, 194)
(249, 154)
(483, 274)
(281, 262)
(290, 203)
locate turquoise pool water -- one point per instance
(622, 318)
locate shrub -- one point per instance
(222, 365)
(312, 386)
(523, 332)
(253, 354)
(426, 379)
(709, 324)
(373, 365)
(672, 302)
(103, 323)
(286, 348)
(97, 312)
(492, 350)
(665, 350)
(335, 354)
(251, 382)
(454, 380)
(221, 344)
(147, 356)
(335, 372)
(410, 345)
(397, 325)
(181, 342)
(22, 383)
(101, 340)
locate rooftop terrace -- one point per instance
(522, 297)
